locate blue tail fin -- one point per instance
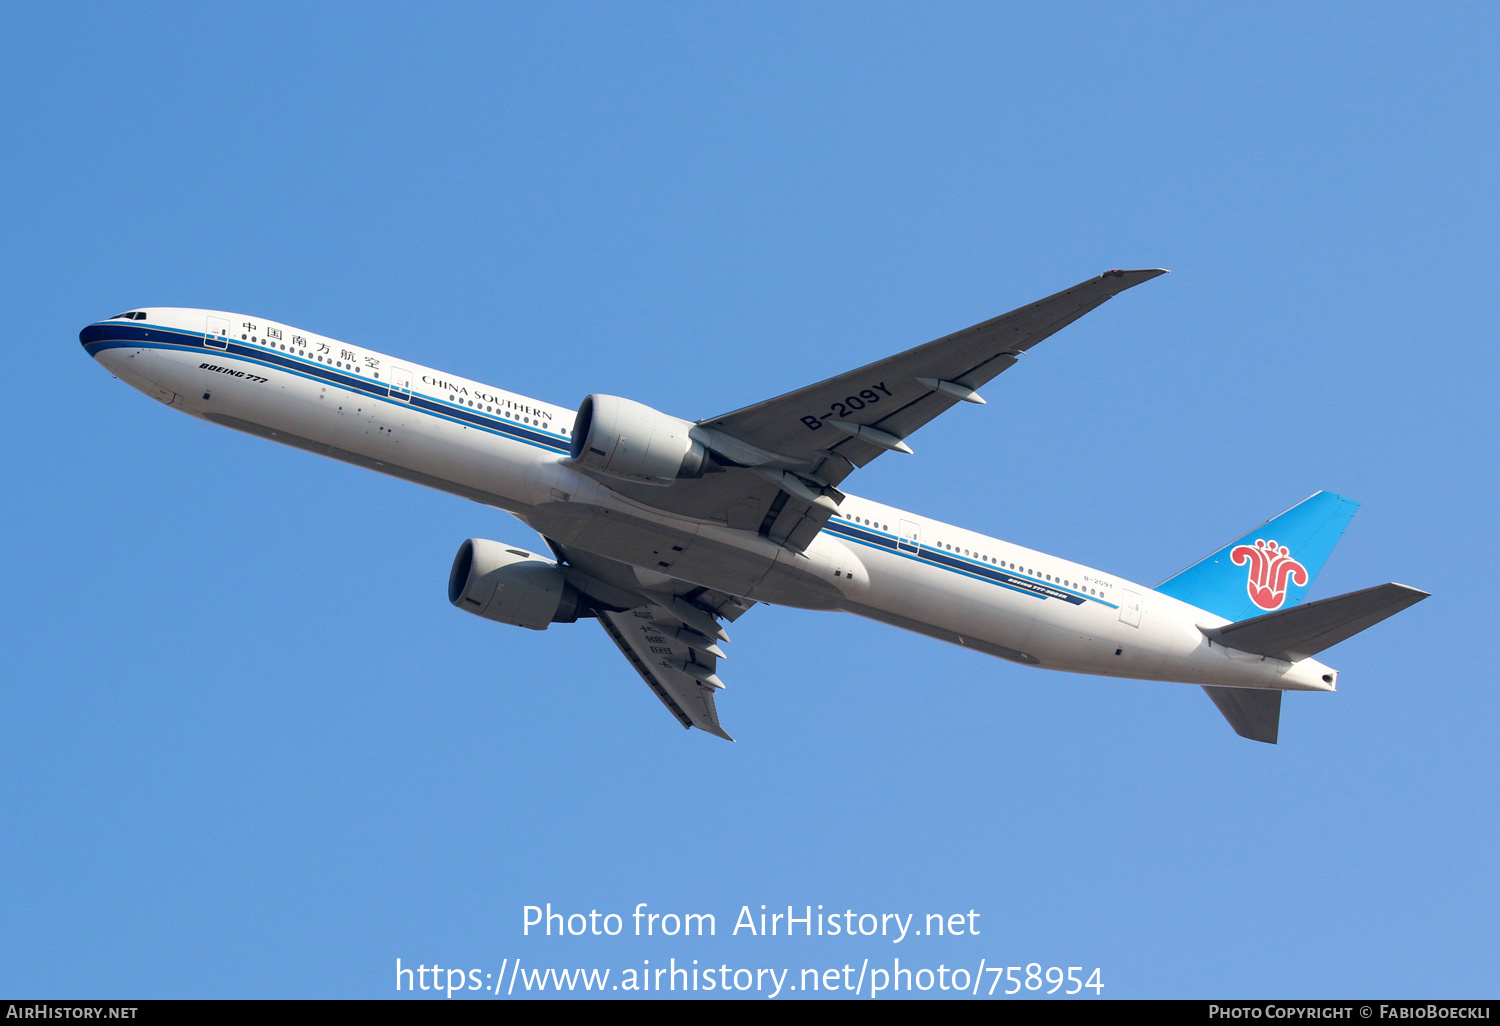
(1271, 567)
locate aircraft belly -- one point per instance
(336, 422)
(957, 608)
(1072, 648)
(471, 458)
(665, 545)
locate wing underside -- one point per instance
(670, 632)
(662, 661)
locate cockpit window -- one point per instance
(133, 315)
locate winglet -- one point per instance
(1130, 279)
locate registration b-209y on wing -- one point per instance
(663, 530)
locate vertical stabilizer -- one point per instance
(1269, 568)
(1252, 712)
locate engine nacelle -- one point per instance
(511, 585)
(626, 439)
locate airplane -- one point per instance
(664, 529)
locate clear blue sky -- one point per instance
(250, 750)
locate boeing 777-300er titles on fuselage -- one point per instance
(662, 528)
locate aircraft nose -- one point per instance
(111, 329)
(93, 333)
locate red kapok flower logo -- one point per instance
(1271, 567)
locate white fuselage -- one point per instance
(508, 451)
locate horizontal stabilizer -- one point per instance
(1252, 712)
(1306, 630)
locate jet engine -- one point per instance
(625, 439)
(511, 585)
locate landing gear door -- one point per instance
(400, 383)
(216, 333)
(1130, 608)
(910, 539)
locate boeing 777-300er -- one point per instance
(662, 528)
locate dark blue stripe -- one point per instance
(948, 561)
(99, 337)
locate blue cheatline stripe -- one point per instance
(137, 336)
(945, 560)
(313, 371)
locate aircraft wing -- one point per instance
(669, 632)
(845, 422)
(663, 663)
(787, 455)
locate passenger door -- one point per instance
(400, 384)
(216, 333)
